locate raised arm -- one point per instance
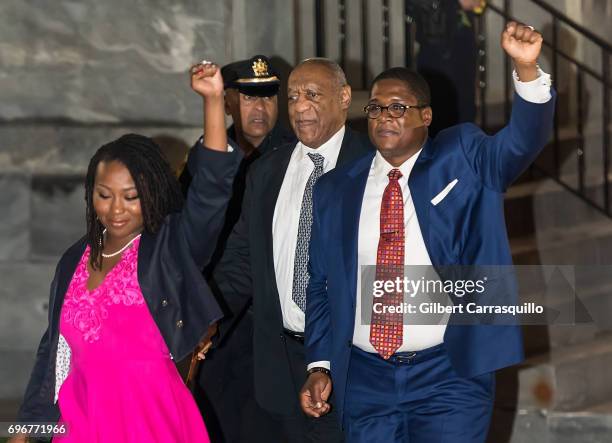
(211, 166)
(206, 80)
(499, 159)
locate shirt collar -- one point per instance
(328, 150)
(381, 167)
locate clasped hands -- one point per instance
(315, 394)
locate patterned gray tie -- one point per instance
(300, 266)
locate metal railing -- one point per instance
(392, 13)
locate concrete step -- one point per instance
(561, 427)
(538, 203)
(582, 296)
(521, 425)
(581, 244)
(571, 147)
(603, 409)
(569, 379)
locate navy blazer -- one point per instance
(466, 228)
(169, 273)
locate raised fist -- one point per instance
(522, 43)
(206, 79)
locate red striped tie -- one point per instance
(386, 329)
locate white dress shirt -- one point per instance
(287, 217)
(416, 337)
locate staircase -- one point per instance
(562, 392)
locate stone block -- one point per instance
(14, 216)
(15, 370)
(560, 427)
(58, 214)
(567, 379)
(106, 61)
(67, 149)
(24, 296)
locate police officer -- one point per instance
(225, 383)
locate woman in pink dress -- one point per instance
(129, 297)
(122, 384)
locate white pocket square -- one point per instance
(438, 198)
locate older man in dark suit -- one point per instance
(267, 253)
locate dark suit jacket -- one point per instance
(466, 228)
(226, 378)
(247, 267)
(276, 137)
(169, 273)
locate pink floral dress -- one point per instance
(122, 385)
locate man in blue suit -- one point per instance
(417, 201)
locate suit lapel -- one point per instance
(351, 212)
(271, 189)
(277, 170)
(353, 198)
(145, 252)
(418, 183)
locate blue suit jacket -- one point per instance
(465, 228)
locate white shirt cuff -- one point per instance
(230, 148)
(535, 91)
(319, 364)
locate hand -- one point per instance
(523, 44)
(19, 438)
(315, 393)
(206, 343)
(206, 79)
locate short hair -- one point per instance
(333, 67)
(413, 80)
(158, 190)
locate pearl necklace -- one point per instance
(122, 249)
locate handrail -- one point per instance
(565, 19)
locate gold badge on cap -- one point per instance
(260, 68)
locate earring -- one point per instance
(101, 228)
